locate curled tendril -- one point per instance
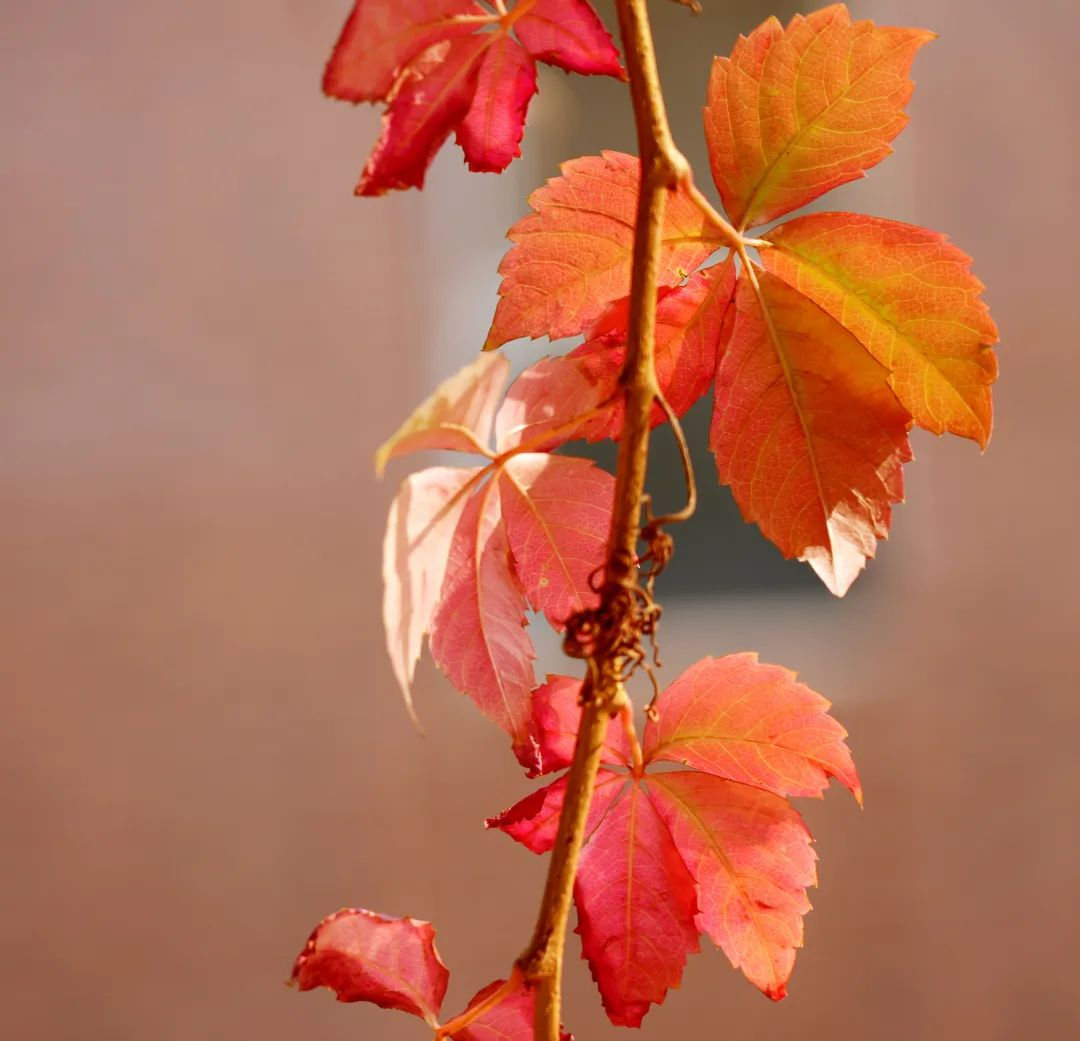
(616, 630)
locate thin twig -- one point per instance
(735, 239)
(688, 470)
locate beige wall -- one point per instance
(202, 751)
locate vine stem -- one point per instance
(663, 168)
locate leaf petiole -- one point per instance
(496, 997)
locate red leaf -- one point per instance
(392, 962)
(556, 714)
(571, 257)
(636, 907)
(534, 821)
(794, 112)
(569, 34)
(477, 635)
(739, 719)
(510, 1018)
(428, 101)
(750, 855)
(710, 851)
(457, 416)
(557, 511)
(380, 38)
(445, 65)
(689, 322)
(363, 956)
(634, 896)
(490, 135)
(419, 532)
(910, 299)
(807, 431)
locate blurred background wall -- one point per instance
(206, 336)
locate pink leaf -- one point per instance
(534, 821)
(636, 908)
(363, 956)
(557, 513)
(431, 97)
(750, 855)
(510, 1018)
(490, 135)
(544, 401)
(569, 34)
(739, 719)
(456, 416)
(382, 36)
(422, 521)
(556, 716)
(689, 328)
(477, 635)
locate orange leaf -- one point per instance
(794, 112)
(910, 298)
(807, 431)
(739, 719)
(750, 855)
(571, 257)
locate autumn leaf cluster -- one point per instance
(822, 340)
(823, 353)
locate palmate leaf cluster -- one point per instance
(822, 343)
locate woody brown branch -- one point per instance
(663, 168)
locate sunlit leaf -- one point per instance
(794, 112)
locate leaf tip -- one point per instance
(837, 574)
(776, 992)
(411, 709)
